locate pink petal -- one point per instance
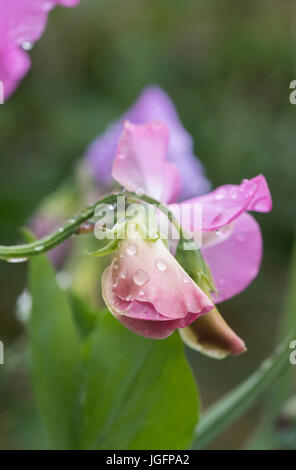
(146, 285)
(22, 22)
(140, 164)
(226, 203)
(235, 261)
(159, 328)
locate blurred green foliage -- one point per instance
(227, 66)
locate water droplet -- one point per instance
(72, 221)
(116, 282)
(121, 256)
(128, 297)
(233, 195)
(132, 249)
(27, 45)
(141, 293)
(17, 260)
(39, 248)
(140, 277)
(161, 265)
(61, 229)
(123, 273)
(186, 280)
(223, 231)
(220, 194)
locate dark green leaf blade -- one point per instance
(56, 355)
(140, 393)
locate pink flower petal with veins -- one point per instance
(235, 261)
(145, 287)
(140, 164)
(226, 203)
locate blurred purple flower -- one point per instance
(43, 224)
(22, 22)
(152, 104)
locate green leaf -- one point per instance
(191, 260)
(56, 355)
(139, 393)
(273, 370)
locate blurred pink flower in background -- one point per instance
(22, 23)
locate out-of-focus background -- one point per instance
(227, 67)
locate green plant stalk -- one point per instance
(71, 227)
(10, 253)
(229, 408)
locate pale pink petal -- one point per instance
(146, 284)
(22, 22)
(140, 164)
(155, 327)
(226, 203)
(235, 261)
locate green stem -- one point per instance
(241, 398)
(22, 252)
(72, 226)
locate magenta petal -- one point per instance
(235, 261)
(226, 203)
(22, 22)
(140, 164)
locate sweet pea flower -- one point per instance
(145, 287)
(22, 23)
(152, 104)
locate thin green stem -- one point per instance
(241, 398)
(22, 252)
(73, 226)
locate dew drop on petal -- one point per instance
(132, 249)
(141, 293)
(116, 282)
(140, 277)
(128, 297)
(186, 280)
(27, 45)
(123, 273)
(161, 265)
(220, 194)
